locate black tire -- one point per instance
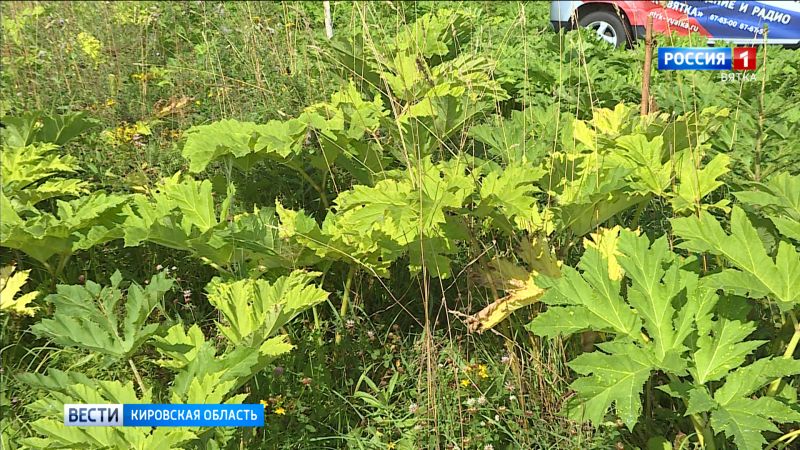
(610, 24)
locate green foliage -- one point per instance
(696, 183)
(666, 320)
(778, 199)
(180, 213)
(513, 140)
(51, 425)
(90, 317)
(32, 172)
(754, 272)
(76, 225)
(454, 163)
(256, 309)
(10, 285)
(196, 360)
(36, 172)
(374, 226)
(617, 161)
(243, 142)
(38, 127)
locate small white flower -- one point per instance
(482, 400)
(470, 401)
(488, 447)
(159, 267)
(505, 359)
(497, 417)
(512, 398)
(412, 408)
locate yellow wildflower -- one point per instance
(465, 382)
(280, 411)
(264, 403)
(391, 445)
(483, 371)
(91, 46)
(110, 102)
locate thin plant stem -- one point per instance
(137, 376)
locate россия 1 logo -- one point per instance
(704, 58)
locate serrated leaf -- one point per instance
(57, 435)
(696, 183)
(595, 298)
(745, 419)
(787, 227)
(256, 309)
(56, 380)
(746, 380)
(194, 357)
(699, 401)
(244, 142)
(743, 248)
(563, 321)
(10, 285)
(616, 378)
(194, 200)
(605, 241)
(78, 225)
(87, 316)
(779, 200)
(723, 350)
(510, 139)
(374, 226)
(36, 172)
(508, 195)
(649, 175)
(653, 288)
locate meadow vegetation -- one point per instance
(445, 227)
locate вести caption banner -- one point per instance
(163, 415)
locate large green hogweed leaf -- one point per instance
(90, 317)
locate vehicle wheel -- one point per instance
(607, 25)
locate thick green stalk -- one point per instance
(345, 300)
(317, 324)
(322, 196)
(789, 353)
(704, 433)
(315, 312)
(784, 440)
